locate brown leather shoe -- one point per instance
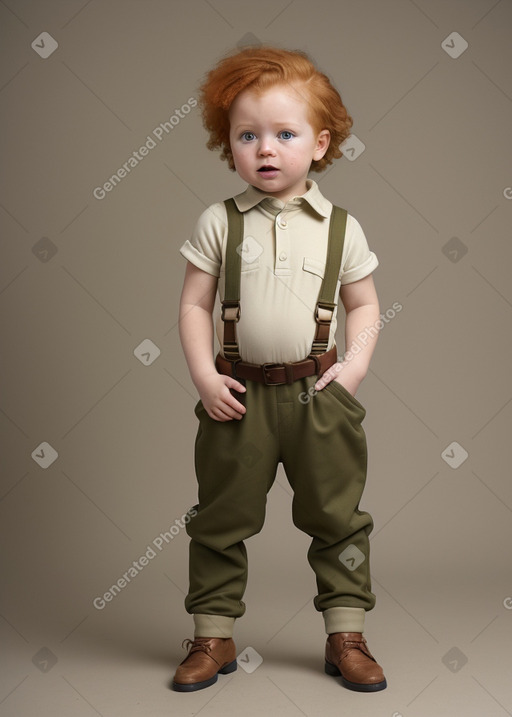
(206, 658)
(348, 657)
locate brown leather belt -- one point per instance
(275, 374)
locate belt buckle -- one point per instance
(287, 366)
(265, 367)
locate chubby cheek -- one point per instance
(236, 160)
(293, 158)
(241, 158)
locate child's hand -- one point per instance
(218, 401)
(343, 373)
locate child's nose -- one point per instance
(266, 147)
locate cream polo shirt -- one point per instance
(283, 260)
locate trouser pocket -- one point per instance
(345, 397)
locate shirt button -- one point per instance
(282, 223)
(283, 256)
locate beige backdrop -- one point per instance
(97, 404)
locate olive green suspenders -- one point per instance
(326, 300)
(327, 297)
(231, 304)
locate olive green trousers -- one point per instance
(318, 437)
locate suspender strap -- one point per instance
(326, 303)
(231, 303)
(327, 300)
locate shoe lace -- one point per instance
(196, 645)
(358, 645)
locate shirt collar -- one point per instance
(252, 196)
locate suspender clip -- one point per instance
(230, 310)
(324, 312)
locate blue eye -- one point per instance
(248, 136)
(286, 134)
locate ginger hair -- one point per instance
(262, 67)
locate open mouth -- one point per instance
(268, 168)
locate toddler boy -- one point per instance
(275, 391)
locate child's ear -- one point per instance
(322, 143)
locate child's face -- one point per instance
(272, 129)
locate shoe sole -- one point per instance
(193, 686)
(333, 671)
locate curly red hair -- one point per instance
(259, 68)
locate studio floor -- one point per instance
(119, 662)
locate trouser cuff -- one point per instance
(344, 619)
(213, 625)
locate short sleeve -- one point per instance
(204, 248)
(357, 260)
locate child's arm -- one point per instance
(362, 308)
(196, 334)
